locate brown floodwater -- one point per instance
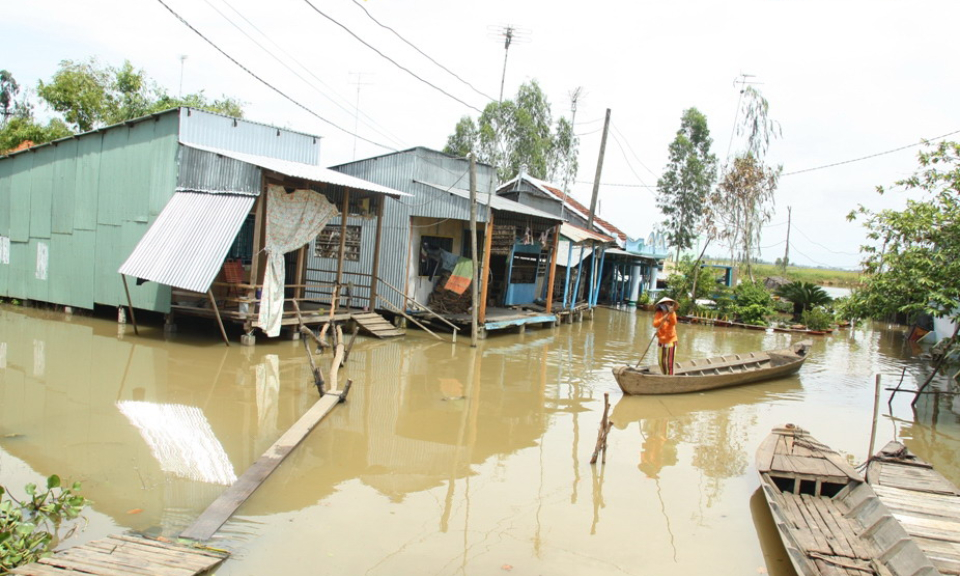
(445, 459)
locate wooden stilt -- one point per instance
(216, 311)
(130, 304)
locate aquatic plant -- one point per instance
(30, 529)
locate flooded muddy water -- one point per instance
(445, 459)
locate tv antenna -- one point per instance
(183, 59)
(509, 34)
(356, 115)
(743, 80)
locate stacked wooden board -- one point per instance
(926, 504)
(376, 325)
(830, 520)
(122, 555)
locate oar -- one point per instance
(647, 350)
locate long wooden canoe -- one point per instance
(830, 520)
(923, 500)
(708, 373)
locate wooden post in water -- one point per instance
(602, 432)
(873, 429)
(474, 297)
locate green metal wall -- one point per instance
(86, 201)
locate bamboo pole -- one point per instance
(376, 254)
(130, 304)
(485, 269)
(473, 252)
(552, 276)
(216, 311)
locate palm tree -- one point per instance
(803, 296)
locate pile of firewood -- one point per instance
(448, 302)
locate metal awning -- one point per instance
(186, 246)
(564, 253)
(304, 171)
(579, 235)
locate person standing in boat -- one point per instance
(665, 321)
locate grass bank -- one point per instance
(820, 276)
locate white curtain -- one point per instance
(293, 219)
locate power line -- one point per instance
(821, 245)
(284, 64)
(397, 34)
(391, 60)
(632, 152)
(267, 84)
(629, 165)
(617, 185)
(871, 155)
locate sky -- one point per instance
(844, 79)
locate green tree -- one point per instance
(21, 128)
(913, 265)
(8, 93)
(91, 96)
(518, 132)
(804, 296)
(690, 174)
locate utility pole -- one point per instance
(474, 298)
(356, 114)
(596, 180)
(786, 251)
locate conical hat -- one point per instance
(667, 301)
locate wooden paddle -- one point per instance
(647, 350)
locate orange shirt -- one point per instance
(666, 325)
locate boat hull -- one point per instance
(710, 373)
(829, 518)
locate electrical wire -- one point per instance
(397, 34)
(629, 165)
(871, 155)
(812, 241)
(391, 60)
(285, 65)
(627, 142)
(617, 185)
(269, 85)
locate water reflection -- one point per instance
(445, 459)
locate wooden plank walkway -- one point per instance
(126, 556)
(376, 325)
(223, 507)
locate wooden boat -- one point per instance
(829, 518)
(709, 373)
(926, 504)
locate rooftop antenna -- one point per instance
(510, 34)
(575, 96)
(183, 59)
(743, 80)
(356, 115)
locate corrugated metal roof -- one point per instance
(579, 235)
(497, 202)
(305, 171)
(186, 246)
(565, 255)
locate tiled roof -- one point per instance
(569, 201)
